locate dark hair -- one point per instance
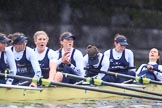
(119, 35)
(15, 35)
(158, 60)
(92, 50)
(3, 38)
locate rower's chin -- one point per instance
(41, 46)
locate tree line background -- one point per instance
(92, 21)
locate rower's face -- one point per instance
(20, 46)
(2, 46)
(41, 41)
(119, 47)
(67, 43)
(154, 54)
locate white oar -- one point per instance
(19, 87)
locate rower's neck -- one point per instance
(40, 50)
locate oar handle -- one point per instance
(90, 69)
(59, 69)
(118, 68)
(158, 71)
(154, 69)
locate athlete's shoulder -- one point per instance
(29, 48)
(51, 50)
(77, 51)
(8, 48)
(128, 51)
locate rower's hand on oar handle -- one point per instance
(50, 79)
(9, 81)
(152, 67)
(33, 84)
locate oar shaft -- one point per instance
(110, 73)
(20, 87)
(121, 75)
(103, 91)
(114, 85)
(16, 77)
(133, 89)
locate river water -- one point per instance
(125, 103)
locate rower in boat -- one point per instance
(25, 58)
(6, 59)
(45, 55)
(152, 69)
(70, 60)
(95, 60)
(120, 59)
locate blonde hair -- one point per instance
(39, 33)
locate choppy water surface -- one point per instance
(125, 103)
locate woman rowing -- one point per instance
(152, 69)
(70, 60)
(45, 55)
(95, 60)
(6, 59)
(120, 59)
(25, 57)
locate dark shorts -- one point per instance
(147, 74)
(70, 81)
(21, 81)
(69, 70)
(2, 81)
(90, 74)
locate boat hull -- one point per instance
(65, 95)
